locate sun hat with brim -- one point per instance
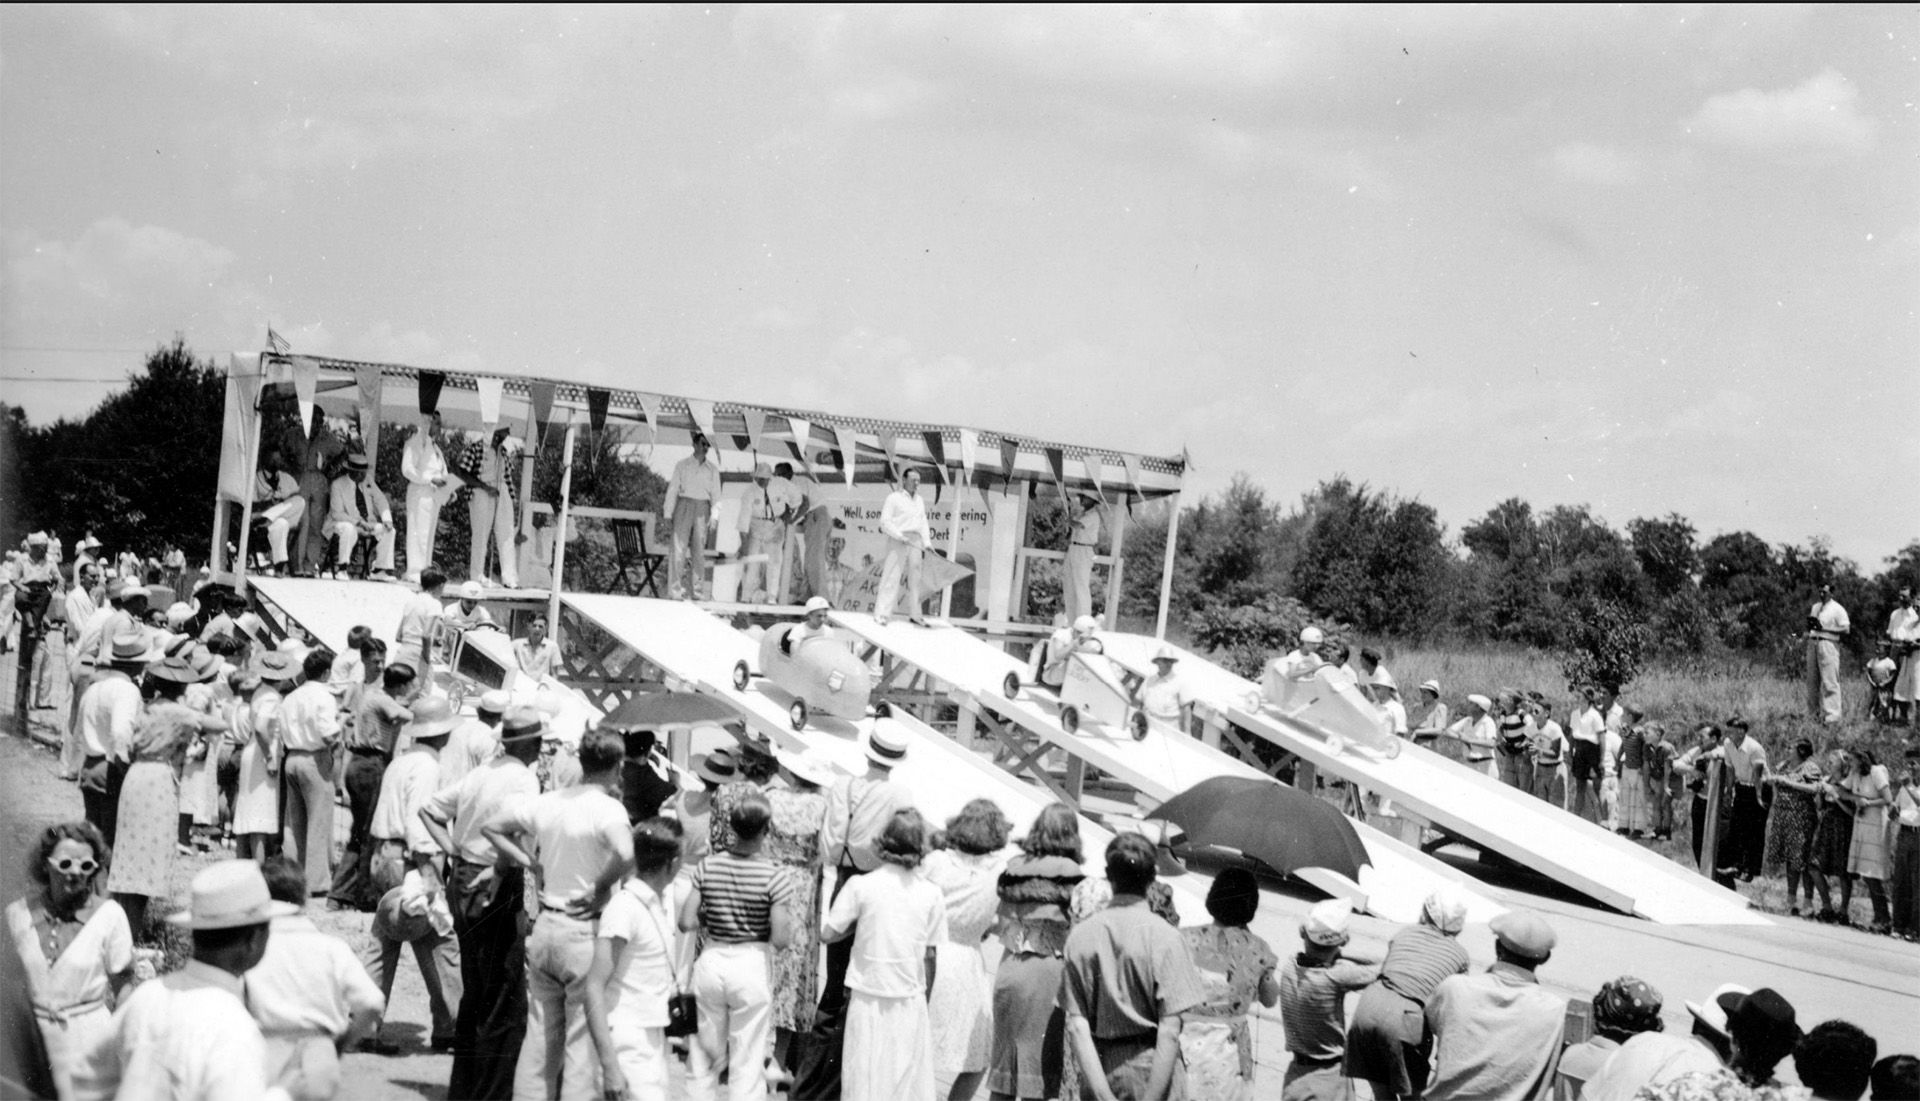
(251, 624)
(717, 767)
(813, 766)
(1763, 1020)
(133, 650)
(432, 717)
(357, 461)
(1432, 686)
(116, 588)
(274, 667)
(1481, 702)
(228, 895)
(173, 670)
(1713, 1012)
(522, 723)
(1165, 653)
(886, 746)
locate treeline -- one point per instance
(1249, 572)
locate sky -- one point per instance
(1651, 260)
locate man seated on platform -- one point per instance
(357, 509)
(466, 614)
(814, 628)
(277, 501)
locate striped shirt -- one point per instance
(1310, 1005)
(1418, 958)
(737, 897)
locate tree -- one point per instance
(1370, 559)
(1666, 552)
(1606, 644)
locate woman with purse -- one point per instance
(632, 985)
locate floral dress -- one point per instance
(962, 1002)
(793, 841)
(1217, 1041)
(1867, 856)
(1791, 822)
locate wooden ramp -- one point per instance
(1477, 808)
(1165, 763)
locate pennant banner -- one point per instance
(490, 390)
(937, 451)
(1094, 474)
(886, 442)
(650, 408)
(306, 380)
(1057, 463)
(597, 409)
(802, 442)
(539, 410)
(367, 381)
(756, 425)
(1132, 463)
(1009, 455)
(702, 414)
(969, 450)
(430, 384)
(849, 450)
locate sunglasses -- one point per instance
(70, 866)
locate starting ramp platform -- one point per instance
(973, 674)
(1469, 805)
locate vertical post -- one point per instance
(560, 535)
(953, 545)
(523, 534)
(246, 507)
(1166, 567)
(1710, 825)
(222, 524)
(1116, 549)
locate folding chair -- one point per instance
(634, 548)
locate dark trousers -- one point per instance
(100, 780)
(1748, 830)
(352, 880)
(833, 993)
(492, 1019)
(1906, 880)
(1699, 825)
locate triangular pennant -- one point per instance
(650, 408)
(886, 442)
(1132, 463)
(849, 450)
(306, 379)
(802, 442)
(741, 443)
(1009, 455)
(1057, 463)
(490, 390)
(367, 381)
(1095, 472)
(756, 422)
(937, 451)
(430, 384)
(702, 414)
(597, 409)
(969, 449)
(540, 409)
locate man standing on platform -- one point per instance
(1827, 625)
(763, 538)
(319, 452)
(688, 506)
(486, 894)
(310, 735)
(359, 510)
(489, 469)
(429, 485)
(1085, 511)
(794, 556)
(903, 520)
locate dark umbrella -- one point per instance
(1282, 827)
(653, 710)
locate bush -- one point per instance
(1607, 645)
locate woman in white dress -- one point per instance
(77, 951)
(967, 871)
(256, 809)
(895, 918)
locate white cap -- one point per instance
(1432, 686)
(179, 612)
(1165, 653)
(1446, 908)
(471, 590)
(1482, 702)
(496, 701)
(818, 604)
(1311, 636)
(1086, 625)
(1326, 923)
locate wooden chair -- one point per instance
(636, 549)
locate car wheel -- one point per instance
(797, 714)
(741, 675)
(1010, 687)
(1138, 722)
(883, 710)
(1393, 749)
(1070, 719)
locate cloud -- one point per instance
(1820, 112)
(1585, 162)
(123, 283)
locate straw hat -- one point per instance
(228, 895)
(433, 717)
(272, 666)
(1432, 686)
(132, 649)
(522, 723)
(495, 702)
(1713, 1012)
(717, 767)
(1165, 653)
(886, 746)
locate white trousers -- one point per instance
(1076, 582)
(762, 556)
(688, 554)
(349, 534)
(731, 984)
(423, 519)
(901, 558)
(642, 1053)
(490, 516)
(280, 520)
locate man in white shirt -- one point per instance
(858, 809)
(419, 618)
(1281, 679)
(632, 974)
(485, 892)
(578, 842)
(1746, 834)
(1085, 511)
(357, 509)
(903, 520)
(1477, 734)
(763, 537)
(1903, 632)
(402, 844)
(108, 710)
(429, 485)
(1827, 625)
(1587, 737)
(797, 505)
(81, 608)
(466, 613)
(687, 507)
(187, 1035)
(278, 503)
(536, 655)
(814, 628)
(309, 994)
(490, 506)
(1164, 696)
(309, 738)
(474, 740)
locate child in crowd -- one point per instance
(1313, 989)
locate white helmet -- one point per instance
(1311, 636)
(1085, 625)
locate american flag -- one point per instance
(277, 343)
